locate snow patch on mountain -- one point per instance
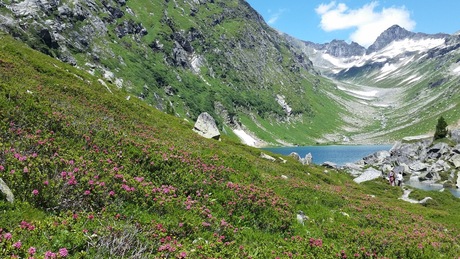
(456, 70)
(366, 95)
(411, 79)
(246, 138)
(342, 63)
(396, 48)
(391, 51)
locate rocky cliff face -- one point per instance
(186, 57)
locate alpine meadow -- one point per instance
(99, 157)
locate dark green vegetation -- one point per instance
(441, 129)
(96, 175)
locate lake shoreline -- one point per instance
(338, 154)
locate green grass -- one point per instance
(96, 175)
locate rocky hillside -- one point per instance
(184, 57)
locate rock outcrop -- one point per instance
(5, 190)
(206, 126)
(422, 160)
(305, 161)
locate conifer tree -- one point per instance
(441, 129)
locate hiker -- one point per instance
(391, 177)
(399, 178)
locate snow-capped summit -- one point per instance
(394, 43)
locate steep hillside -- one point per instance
(187, 57)
(95, 174)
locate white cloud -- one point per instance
(275, 16)
(367, 23)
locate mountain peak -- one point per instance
(391, 34)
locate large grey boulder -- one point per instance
(308, 159)
(418, 166)
(455, 159)
(376, 158)
(402, 168)
(295, 155)
(6, 191)
(407, 153)
(368, 175)
(206, 126)
(436, 151)
(305, 161)
(455, 135)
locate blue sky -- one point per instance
(357, 20)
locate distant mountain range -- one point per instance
(220, 57)
(393, 42)
(403, 81)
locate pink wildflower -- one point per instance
(32, 250)
(8, 236)
(35, 192)
(63, 252)
(17, 245)
(49, 255)
(206, 224)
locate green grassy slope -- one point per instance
(193, 57)
(98, 176)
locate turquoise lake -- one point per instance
(340, 154)
(343, 154)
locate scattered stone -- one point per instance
(6, 191)
(345, 214)
(301, 217)
(329, 164)
(282, 160)
(455, 160)
(455, 135)
(284, 177)
(265, 156)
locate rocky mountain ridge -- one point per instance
(397, 33)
